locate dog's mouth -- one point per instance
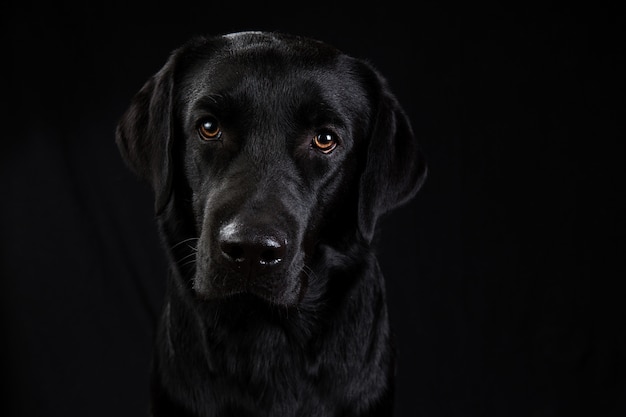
(243, 312)
(277, 289)
(253, 295)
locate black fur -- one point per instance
(275, 305)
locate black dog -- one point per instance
(271, 157)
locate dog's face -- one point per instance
(267, 146)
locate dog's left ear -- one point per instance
(395, 168)
(144, 134)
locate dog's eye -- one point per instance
(326, 142)
(209, 128)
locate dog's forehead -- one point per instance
(269, 68)
(260, 53)
(242, 42)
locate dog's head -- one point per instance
(261, 147)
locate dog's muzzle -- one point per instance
(250, 256)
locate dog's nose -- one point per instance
(251, 251)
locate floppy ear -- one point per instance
(144, 135)
(395, 168)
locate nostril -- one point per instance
(272, 252)
(269, 258)
(233, 251)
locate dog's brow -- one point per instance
(213, 102)
(211, 99)
(320, 112)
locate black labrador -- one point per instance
(271, 157)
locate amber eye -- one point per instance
(326, 142)
(209, 128)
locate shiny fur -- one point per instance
(275, 305)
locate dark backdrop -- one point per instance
(503, 274)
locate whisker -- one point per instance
(189, 262)
(185, 241)
(190, 255)
(216, 317)
(310, 274)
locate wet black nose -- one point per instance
(251, 251)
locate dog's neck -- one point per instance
(226, 356)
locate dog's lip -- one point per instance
(288, 297)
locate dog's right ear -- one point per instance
(144, 134)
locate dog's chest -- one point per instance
(267, 375)
(261, 370)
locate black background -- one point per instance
(503, 274)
